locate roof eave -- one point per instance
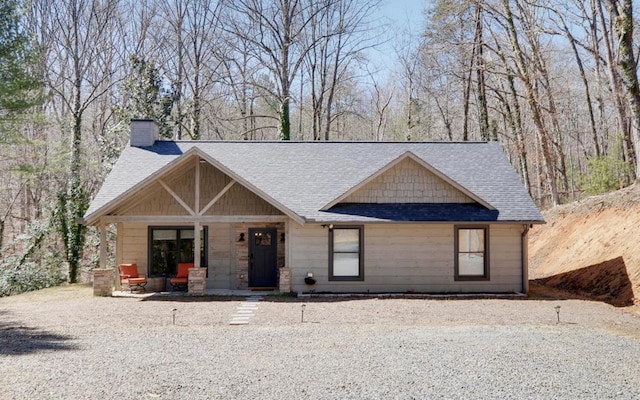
(453, 222)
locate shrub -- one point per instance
(605, 174)
(33, 267)
(15, 279)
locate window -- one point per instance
(262, 239)
(169, 246)
(472, 260)
(345, 254)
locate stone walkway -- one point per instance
(245, 311)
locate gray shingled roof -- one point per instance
(304, 177)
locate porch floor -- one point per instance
(209, 292)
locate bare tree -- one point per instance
(82, 35)
(172, 48)
(338, 34)
(275, 32)
(523, 68)
(203, 31)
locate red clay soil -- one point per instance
(590, 249)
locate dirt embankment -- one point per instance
(591, 248)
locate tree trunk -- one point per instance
(534, 106)
(77, 200)
(614, 77)
(585, 82)
(481, 90)
(285, 122)
(622, 16)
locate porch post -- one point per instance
(119, 251)
(103, 277)
(103, 245)
(197, 282)
(196, 245)
(196, 225)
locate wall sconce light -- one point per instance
(241, 239)
(309, 280)
(282, 237)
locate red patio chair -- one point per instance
(181, 280)
(129, 276)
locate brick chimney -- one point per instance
(144, 132)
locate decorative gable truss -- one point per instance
(196, 189)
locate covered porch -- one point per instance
(242, 232)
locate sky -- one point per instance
(404, 16)
(404, 11)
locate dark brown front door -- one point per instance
(263, 257)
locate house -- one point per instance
(349, 216)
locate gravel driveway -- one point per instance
(64, 343)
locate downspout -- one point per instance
(524, 252)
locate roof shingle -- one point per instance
(306, 176)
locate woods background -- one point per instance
(555, 82)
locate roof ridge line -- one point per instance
(322, 142)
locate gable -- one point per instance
(237, 200)
(407, 182)
(154, 199)
(227, 197)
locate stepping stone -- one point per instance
(245, 311)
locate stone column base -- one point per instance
(284, 283)
(103, 282)
(197, 281)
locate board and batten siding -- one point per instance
(221, 263)
(406, 258)
(156, 200)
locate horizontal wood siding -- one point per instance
(221, 258)
(134, 245)
(406, 258)
(221, 263)
(506, 255)
(407, 182)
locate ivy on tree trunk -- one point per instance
(285, 121)
(72, 204)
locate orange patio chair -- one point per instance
(181, 280)
(129, 276)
